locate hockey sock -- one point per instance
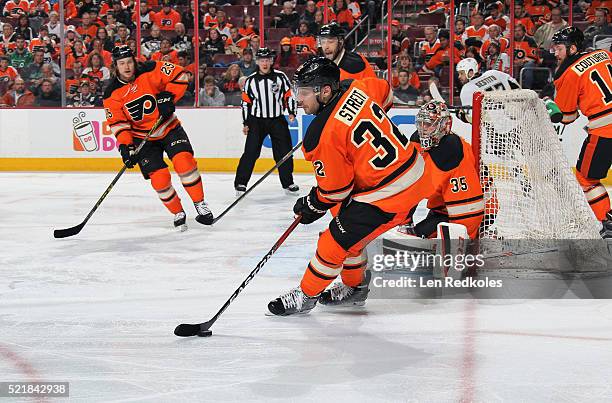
(596, 195)
(161, 182)
(352, 269)
(187, 168)
(324, 267)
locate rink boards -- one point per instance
(80, 139)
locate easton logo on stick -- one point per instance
(141, 106)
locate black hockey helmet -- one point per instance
(569, 36)
(317, 72)
(122, 52)
(332, 30)
(265, 53)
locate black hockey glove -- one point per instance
(165, 104)
(127, 155)
(462, 114)
(310, 207)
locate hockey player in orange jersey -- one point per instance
(136, 98)
(364, 163)
(583, 81)
(458, 196)
(352, 65)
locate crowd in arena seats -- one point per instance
(229, 35)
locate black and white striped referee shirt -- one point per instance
(266, 96)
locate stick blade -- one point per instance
(67, 232)
(187, 330)
(435, 93)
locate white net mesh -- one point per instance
(530, 189)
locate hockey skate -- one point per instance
(606, 231)
(343, 295)
(180, 221)
(292, 302)
(240, 190)
(205, 216)
(292, 190)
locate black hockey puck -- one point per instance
(205, 333)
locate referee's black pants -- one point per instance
(259, 128)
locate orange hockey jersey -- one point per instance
(353, 66)
(584, 82)
(131, 108)
(457, 189)
(357, 152)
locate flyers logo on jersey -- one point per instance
(352, 105)
(141, 106)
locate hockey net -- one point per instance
(530, 190)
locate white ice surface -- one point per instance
(98, 310)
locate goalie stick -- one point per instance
(67, 232)
(242, 196)
(203, 329)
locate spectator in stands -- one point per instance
(18, 95)
(96, 68)
(167, 18)
(404, 62)
(594, 5)
(47, 96)
(85, 6)
(538, 9)
(248, 27)
(476, 33)
(254, 43)
(286, 57)
(72, 84)
(7, 73)
(304, 42)
(70, 37)
(151, 43)
(21, 56)
(7, 40)
(147, 15)
(132, 44)
(166, 53)
(429, 46)
(229, 85)
(77, 52)
(406, 92)
(181, 42)
(107, 43)
(308, 15)
(600, 27)
(123, 16)
(188, 17)
(85, 98)
(95, 19)
(123, 34)
(222, 25)
(70, 10)
(399, 40)
(287, 18)
(44, 42)
(521, 17)
(97, 47)
(213, 45)
(54, 25)
(111, 24)
(210, 95)
(495, 59)
(87, 27)
(318, 22)
(236, 42)
(246, 63)
(525, 55)
(344, 17)
(23, 28)
(210, 18)
(495, 35)
(441, 57)
(496, 17)
(15, 8)
(459, 29)
(543, 36)
(39, 12)
(33, 71)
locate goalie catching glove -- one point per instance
(127, 155)
(310, 207)
(165, 104)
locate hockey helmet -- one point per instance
(433, 121)
(467, 65)
(317, 72)
(569, 36)
(332, 30)
(122, 52)
(265, 53)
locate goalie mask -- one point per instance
(433, 122)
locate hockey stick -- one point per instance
(66, 232)
(435, 94)
(203, 329)
(242, 196)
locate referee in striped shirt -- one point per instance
(266, 94)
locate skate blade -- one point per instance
(354, 305)
(181, 228)
(270, 314)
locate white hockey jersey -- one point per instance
(492, 80)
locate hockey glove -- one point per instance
(127, 155)
(556, 116)
(310, 207)
(165, 104)
(462, 114)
